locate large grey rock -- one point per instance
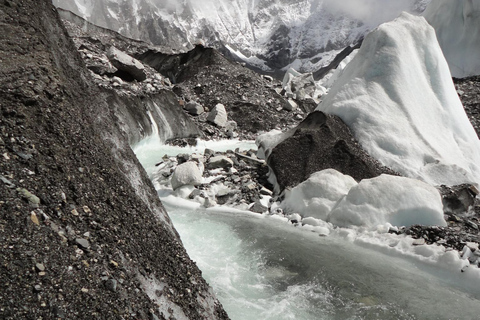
(126, 63)
(321, 142)
(194, 108)
(218, 116)
(219, 162)
(187, 173)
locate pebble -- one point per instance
(111, 284)
(34, 218)
(30, 197)
(82, 243)
(40, 267)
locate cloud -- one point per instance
(371, 12)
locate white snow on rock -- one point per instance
(385, 199)
(316, 196)
(187, 173)
(398, 98)
(457, 24)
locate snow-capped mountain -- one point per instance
(268, 34)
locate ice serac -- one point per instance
(457, 24)
(398, 98)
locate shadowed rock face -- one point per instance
(82, 230)
(321, 142)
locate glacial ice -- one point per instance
(398, 98)
(457, 24)
(317, 196)
(390, 199)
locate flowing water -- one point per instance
(263, 268)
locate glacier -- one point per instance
(398, 98)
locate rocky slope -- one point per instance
(82, 231)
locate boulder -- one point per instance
(458, 199)
(218, 116)
(124, 62)
(219, 162)
(320, 142)
(194, 108)
(186, 174)
(291, 105)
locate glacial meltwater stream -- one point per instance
(261, 267)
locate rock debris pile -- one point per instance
(233, 178)
(110, 59)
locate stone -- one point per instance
(7, 182)
(218, 116)
(208, 152)
(40, 267)
(182, 158)
(30, 197)
(34, 218)
(219, 162)
(264, 191)
(187, 173)
(111, 285)
(291, 105)
(82, 243)
(126, 63)
(258, 207)
(471, 224)
(194, 108)
(198, 158)
(117, 80)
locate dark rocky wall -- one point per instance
(80, 223)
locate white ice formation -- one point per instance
(389, 199)
(398, 98)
